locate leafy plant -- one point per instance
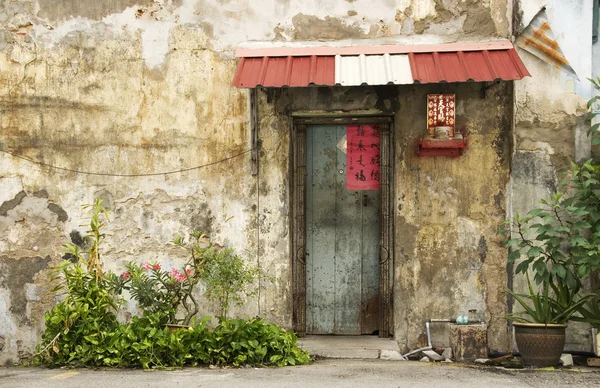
(254, 342)
(590, 312)
(143, 343)
(228, 277)
(556, 241)
(543, 306)
(86, 315)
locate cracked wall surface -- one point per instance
(133, 87)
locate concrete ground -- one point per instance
(332, 373)
(352, 362)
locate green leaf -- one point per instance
(513, 256)
(522, 266)
(582, 225)
(535, 212)
(559, 270)
(534, 252)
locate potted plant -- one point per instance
(540, 328)
(554, 244)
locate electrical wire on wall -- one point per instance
(125, 175)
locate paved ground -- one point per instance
(325, 373)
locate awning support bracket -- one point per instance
(486, 85)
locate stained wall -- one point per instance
(125, 87)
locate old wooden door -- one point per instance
(342, 242)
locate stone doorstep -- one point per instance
(351, 347)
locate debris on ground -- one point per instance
(395, 355)
(433, 355)
(566, 359)
(594, 361)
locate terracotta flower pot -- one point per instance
(540, 344)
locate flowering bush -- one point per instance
(160, 291)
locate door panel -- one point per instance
(370, 273)
(347, 236)
(342, 242)
(320, 220)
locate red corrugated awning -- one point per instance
(378, 65)
(284, 71)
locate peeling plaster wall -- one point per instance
(550, 129)
(143, 86)
(449, 259)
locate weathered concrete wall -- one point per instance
(550, 126)
(449, 259)
(135, 87)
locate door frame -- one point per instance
(298, 217)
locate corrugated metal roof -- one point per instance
(372, 70)
(284, 71)
(461, 66)
(538, 39)
(500, 62)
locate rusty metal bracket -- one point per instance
(270, 92)
(485, 86)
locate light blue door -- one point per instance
(342, 242)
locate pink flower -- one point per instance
(146, 266)
(125, 276)
(190, 272)
(156, 266)
(174, 272)
(180, 277)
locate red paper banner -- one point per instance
(440, 112)
(362, 157)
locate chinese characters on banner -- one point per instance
(362, 157)
(440, 112)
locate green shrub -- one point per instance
(146, 343)
(84, 319)
(254, 342)
(86, 316)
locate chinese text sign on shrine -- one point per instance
(362, 157)
(440, 112)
